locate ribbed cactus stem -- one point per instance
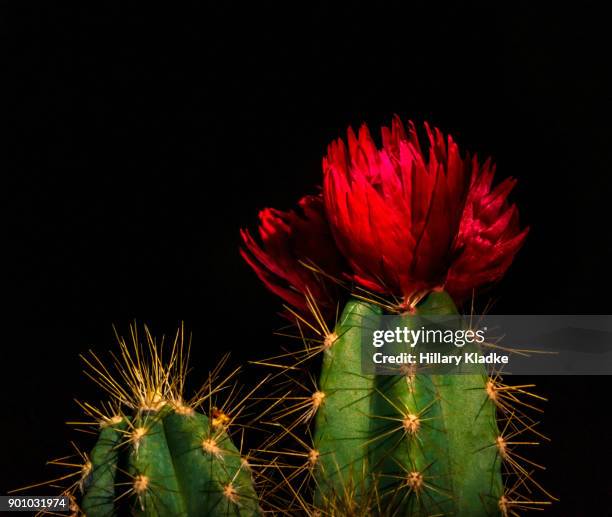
(167, 463)
(425, 444)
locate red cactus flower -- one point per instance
(489, 235)
(409, 221)
(288, 240)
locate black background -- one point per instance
(139, 140)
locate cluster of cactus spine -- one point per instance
(157, 454)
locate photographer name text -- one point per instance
(430, 358)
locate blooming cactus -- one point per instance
(407, 221)
(421, 229)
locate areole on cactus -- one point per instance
(418, 231)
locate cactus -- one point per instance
(428, 442)
(409, 444)
(156, 453)
(409, 229)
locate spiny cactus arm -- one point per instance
(428, 443)
(343, 421)
(163, 458)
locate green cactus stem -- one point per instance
(170, 462)
(426, 444)
(158, 455)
